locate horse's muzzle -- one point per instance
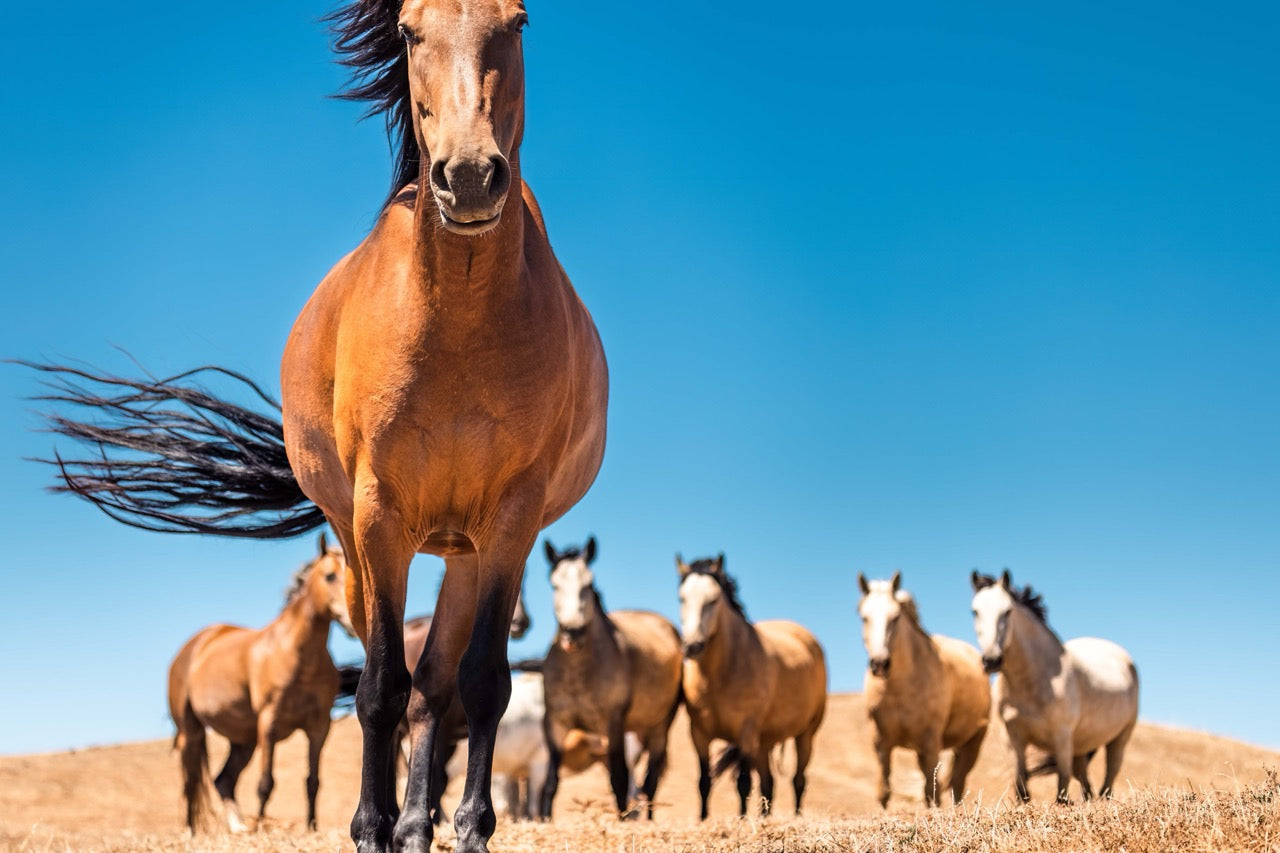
(571, 638)
(878, 666)
(693, 650)
(992, 664)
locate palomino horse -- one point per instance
(1069, 698)
(925, 693)
(257, 687)
(444, 392)
(752, 685)
(607, 674)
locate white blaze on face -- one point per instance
(571, 584)
(699, 595)
(991, 609)
(879, 610)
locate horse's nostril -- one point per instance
(439, 175)
(499, 178)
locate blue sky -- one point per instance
(925, 286)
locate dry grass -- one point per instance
(1179, 791)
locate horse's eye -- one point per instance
(410, 37)
(331, 577)
(521, 21)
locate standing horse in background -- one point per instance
(925, 693)
(257, 687)
(1069, 699)
(752, 685)
(444, 392)
(607, 674)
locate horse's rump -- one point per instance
(1107, 681)
(652, 646)
(970, 689)
(800, 688)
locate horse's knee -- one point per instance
(382, 699)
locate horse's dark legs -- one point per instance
(549, 785)
(702, 747)
(619, 774)
(804, 750)
(765, 770)
(1080, 770)
(237, 759)
(445, 748)
(375, 599)
(435, 680)
(656, 747)
(267, 749)
(744, 785)
(317, 732)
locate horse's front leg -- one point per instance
(375, 598)
(619, 774)
(1018, 744)
(1065, 761)
(702, 746)
(484, 675)
(267, 737)
(317, 733)
(435, 682)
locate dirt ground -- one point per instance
(127, 797)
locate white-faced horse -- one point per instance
(1069, 699)
(923, 693)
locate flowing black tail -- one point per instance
(167, 455)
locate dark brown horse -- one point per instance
(444, 392)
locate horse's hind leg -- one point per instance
(225, 784)
(267, 750)
(744, 785)
(804, 749)
(656, 746)
(1080, 770)
(1115, 755)
(964, 757)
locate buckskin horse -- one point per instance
(444, 391)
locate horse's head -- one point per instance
(992, 607)
(880, 608)
(466, 88)
(573, 591)
(326, 584)
(702, 589)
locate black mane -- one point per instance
(367, 40)
(1024, 595)
(728, 585)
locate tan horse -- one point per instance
(924, 693)
(752, 685)
(444, 392)
(1069, 699)
(255, 688)
(607, 673)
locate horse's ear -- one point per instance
(1006, 581)
(976, 580)
(720, 564)
(590, 550)
(896, 583)
(682, 568)
(323, 543)
(550, 551)
(862, 584)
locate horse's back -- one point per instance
(218, 681)
(1107, 681)
(970, 689)
(800, 666)
(652, 645)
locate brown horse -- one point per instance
(752, 685)
(607, 674)
(925, 693)
(444, 392)
(255, 688)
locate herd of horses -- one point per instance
(608, 689)
(444, 391)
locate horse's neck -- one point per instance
(301, 627)
(912, 648)
(1034, 652)
(734, 644)
(470, 278)
(601, 630)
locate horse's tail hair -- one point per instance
(190, 742)
(167, 455)
(730, 757)
(1050, 765)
